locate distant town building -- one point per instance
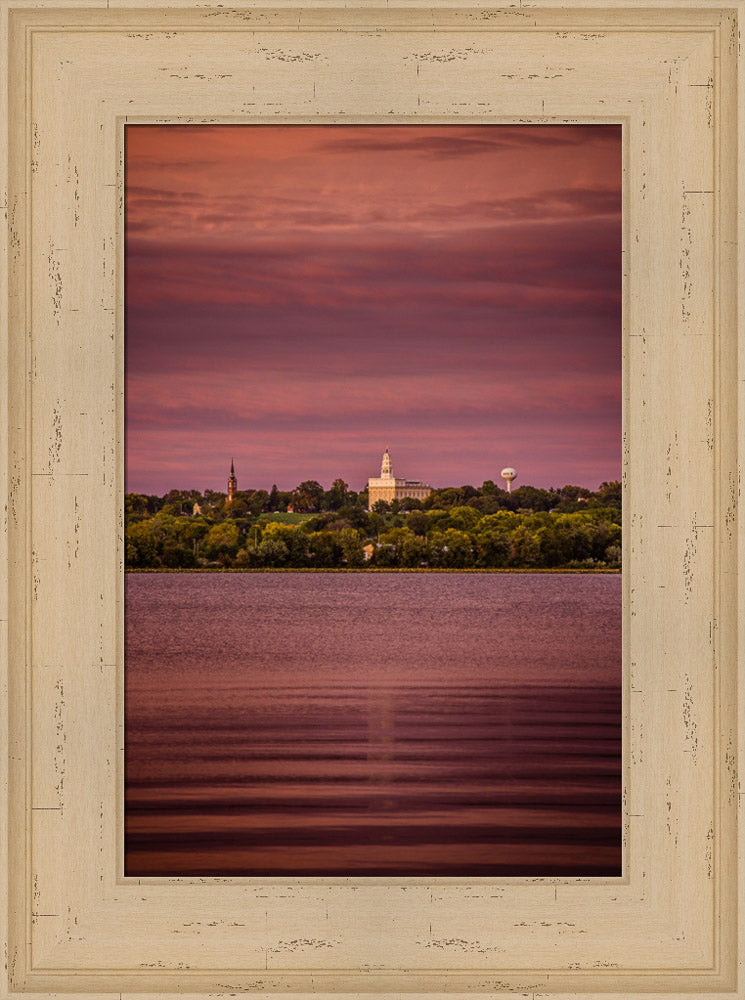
(388, 488)
(232, 484)
(196, 509)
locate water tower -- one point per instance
(508, 475)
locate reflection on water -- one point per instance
(387, 724)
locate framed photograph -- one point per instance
(330, 672)
(92, 911)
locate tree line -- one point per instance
(309, 527)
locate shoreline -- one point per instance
(377, 569)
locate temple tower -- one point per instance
(386, 487)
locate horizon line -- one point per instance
(255, 489)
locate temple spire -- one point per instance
(388, 488)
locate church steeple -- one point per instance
(386, 472)
(232, 483)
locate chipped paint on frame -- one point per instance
(667, 927)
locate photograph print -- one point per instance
(373, 510)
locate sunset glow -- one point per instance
(301, 297)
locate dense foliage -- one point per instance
(309, 527)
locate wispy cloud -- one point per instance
(292, 286)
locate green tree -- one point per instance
(135, 506)
(438, 520)
(463, 518)
(457, 550)
(393, 543)
(493, 548)
(238, 507)
(142, 546)
(530, 498)
(324, 549)
(607, 495)
(411, 503)
(293, 537)
(259, 502)
(307, 496)
(351, 546)
(246, 558)
(613, 555)
(174, 508)
(525, 547)
(450, 497)
(337, 495)
(178, 556)
(221, 541)
(450, 549)
(417, 521)
(555, 544)
(414, 550)
(272, 552)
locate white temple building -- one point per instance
(387, 487)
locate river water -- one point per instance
(373, 724)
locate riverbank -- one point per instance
(374, 569)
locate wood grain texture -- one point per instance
(76, 72)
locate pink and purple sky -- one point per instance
(301, 297)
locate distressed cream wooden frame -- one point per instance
(670, 927)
